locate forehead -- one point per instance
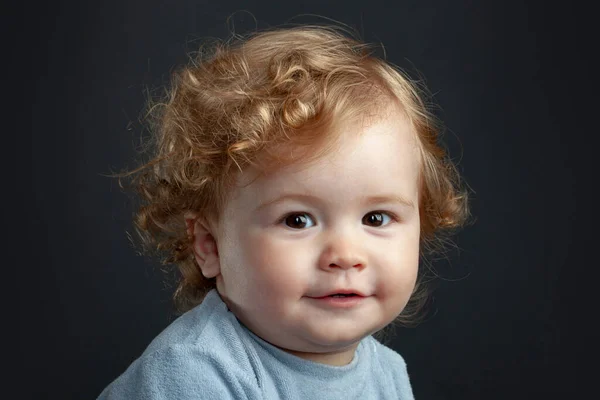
(379, 155)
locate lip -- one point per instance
(339, 302)
(341, 291)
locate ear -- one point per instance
(204, 245)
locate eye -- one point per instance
(299, 221)
(377, 218)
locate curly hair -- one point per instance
(251, 101)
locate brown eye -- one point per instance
(376, 218)
(298, 221)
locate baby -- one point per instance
(296, 181)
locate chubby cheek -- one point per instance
(397, 282)
(277, 266)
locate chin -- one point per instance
(333, 341)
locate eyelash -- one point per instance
(393, 217)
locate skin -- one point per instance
(347, 221)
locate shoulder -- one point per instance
(201, 355)
(192, 327)
(393, 366)
(387, 356)
(181, 372)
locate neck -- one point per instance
(337, 358)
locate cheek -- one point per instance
(272, 262)
(263, 252)
(402, 265)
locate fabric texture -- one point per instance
(208, 354)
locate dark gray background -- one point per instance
(510, 79)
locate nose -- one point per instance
(342, 252)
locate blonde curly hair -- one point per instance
(249, 101)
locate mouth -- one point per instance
(343, 293)
(340, 300)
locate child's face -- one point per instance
(346, 222)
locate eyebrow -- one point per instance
(367, 200)
(392, 198)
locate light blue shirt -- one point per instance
(208, 354)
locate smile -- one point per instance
(339, 300)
